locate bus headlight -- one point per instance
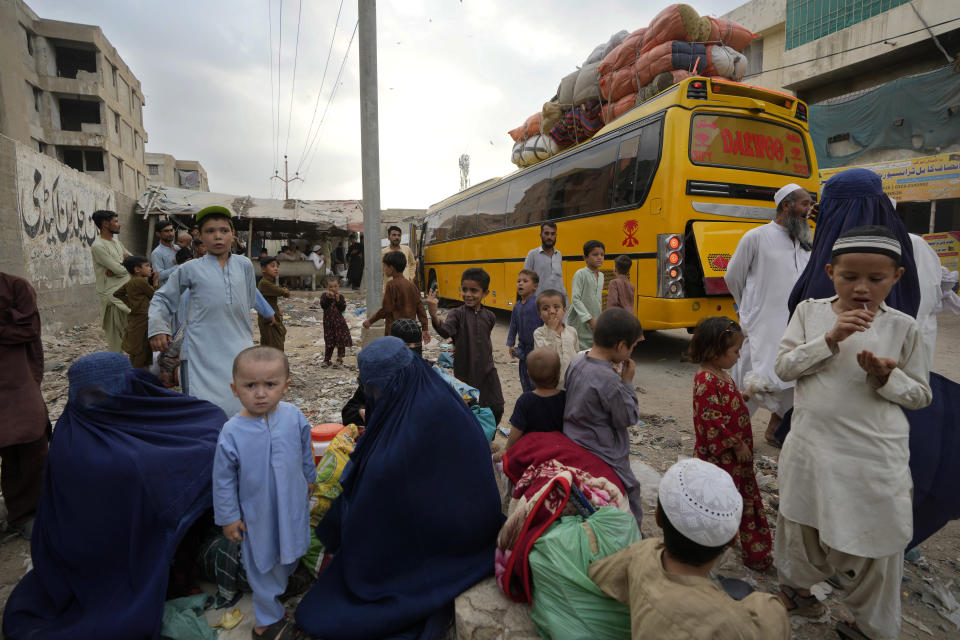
(670, 265)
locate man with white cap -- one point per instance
(766, 264)
(667, 582)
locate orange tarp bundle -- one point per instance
(529, 128)
(676, 22)
(624, 54)
(730, 33)
(616, 109)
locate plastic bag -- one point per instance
(484, 416)
(762, 390)
(566, 603)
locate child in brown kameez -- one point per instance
(136, 293)
(272, 331)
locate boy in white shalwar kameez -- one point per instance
(263, 475)
(845, 505)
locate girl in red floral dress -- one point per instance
(336, 333)
(724, 433)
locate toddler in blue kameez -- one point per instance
(523, 320)
(263, 475)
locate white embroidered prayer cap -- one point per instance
(701, 502)
(784, 192)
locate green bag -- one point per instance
(566, 603)
(484, 416)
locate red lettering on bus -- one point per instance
(727, 141)
(792, 137)
(778, 149)
(758, 144)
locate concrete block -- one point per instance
(483, 612)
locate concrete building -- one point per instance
(877, 77)
(164, 169)
(65, 92)
(817, 51)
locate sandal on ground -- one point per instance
(798, 605)
(282, 629)
(849, 631)
(326, 364)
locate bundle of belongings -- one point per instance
(569, 509)
(470, 395)
(627, 70)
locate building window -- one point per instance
(29, 36)
(72, 157)
(120, 169)
(93, 160)
(116, 122)
(37, 95)
(74, 113)
(153, 169)
(70, 61)
(754, 55)
(809, 20)
(81, 159)
(41, 146)
(114, 75)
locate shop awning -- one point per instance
(268, 215)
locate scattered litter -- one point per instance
(917, 624)
(821, 590)
(940, 598)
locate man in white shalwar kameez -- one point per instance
(766, 264)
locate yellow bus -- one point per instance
(673, 183)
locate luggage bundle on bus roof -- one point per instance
(628, 69)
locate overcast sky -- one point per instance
(454, 77)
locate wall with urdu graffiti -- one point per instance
(46, 231)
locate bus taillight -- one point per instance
(670, 265)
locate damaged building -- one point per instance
(65, 92)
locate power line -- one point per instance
(862, 46)
(273, 124)
(323, 79)
(293, 80)
(279, 81)
(333, 93)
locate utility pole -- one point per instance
(370, 151)
(286, 179)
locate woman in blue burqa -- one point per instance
(855, 198)
(417, 522)
(129, 471)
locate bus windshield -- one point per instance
(747, 143)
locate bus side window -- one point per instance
(648, 157)
(527, 199)
(490, 211)
(444, 228)
(625, 181)
(466, 218)
(581, 182)
(638, 158)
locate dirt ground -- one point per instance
(663, 382)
